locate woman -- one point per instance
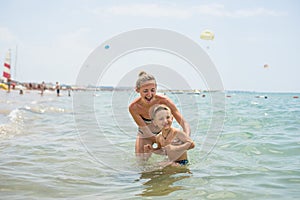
(140, 111)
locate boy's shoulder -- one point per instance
(176, 130)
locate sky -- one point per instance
(51, 40)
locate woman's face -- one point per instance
(163, 119)
(147, 91)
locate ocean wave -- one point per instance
(41, 109)
(14, 124)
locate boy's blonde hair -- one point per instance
(156, 108)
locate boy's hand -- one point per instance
(148, 148)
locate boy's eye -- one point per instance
(152, 90)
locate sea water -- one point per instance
(82, 147)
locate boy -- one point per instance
(170, 141)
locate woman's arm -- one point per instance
(177, 115)
(179, 118)
(143, 128)
(135, 115)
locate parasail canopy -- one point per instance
(207, 35)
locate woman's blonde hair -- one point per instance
(144, 77)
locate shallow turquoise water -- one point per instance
(82, 147)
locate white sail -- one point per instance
(7, 64)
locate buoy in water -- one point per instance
(261, 97)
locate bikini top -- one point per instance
(147, 121)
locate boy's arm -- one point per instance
(178, 116)
(188, 142)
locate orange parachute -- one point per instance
(266, 66)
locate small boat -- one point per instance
(3, 86)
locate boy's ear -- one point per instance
(154, 123)
(137, 90)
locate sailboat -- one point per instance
(5, 79)
(6, 71)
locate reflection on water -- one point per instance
(162, 181)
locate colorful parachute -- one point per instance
(207, 35)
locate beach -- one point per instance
(61, 147)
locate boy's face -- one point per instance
(163, 119)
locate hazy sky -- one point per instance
(54, 38)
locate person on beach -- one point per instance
(69, 91)
(170, 141)
(43, 87)
(140, 107)
(8, 85)
(57, 87)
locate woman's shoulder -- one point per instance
(161, 96)
(134, 104)
(163, 99)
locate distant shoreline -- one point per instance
(173, 91)
(51, 87)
